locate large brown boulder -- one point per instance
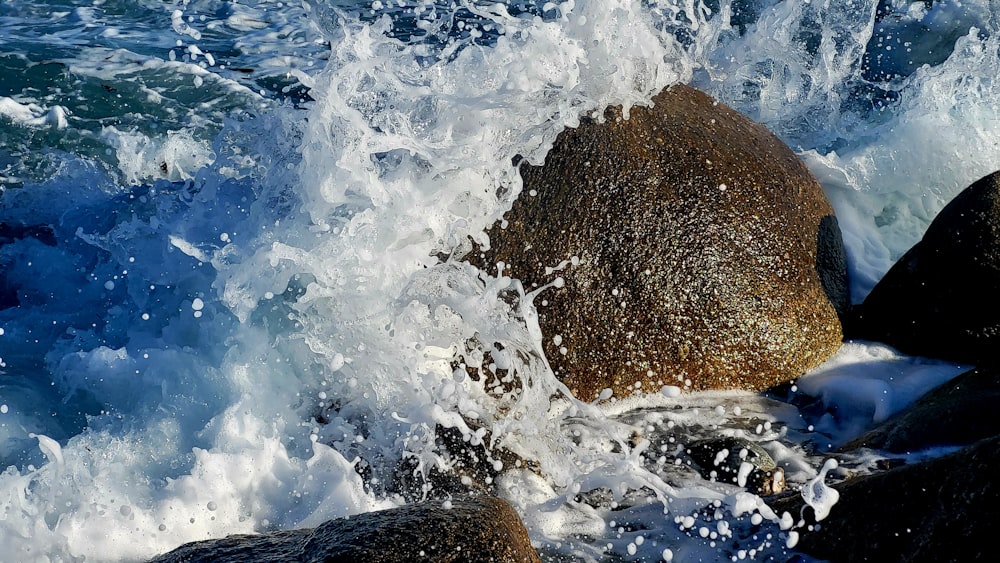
(940, 298)
(700, 251)
(474, 530)
(945, 509)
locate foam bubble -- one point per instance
(818, 495)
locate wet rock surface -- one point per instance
(469, 530)
(470, 467)
(686, 441)
(740, 461)
(938, 510)
(696, 251)
(954, 414)
(939, 299)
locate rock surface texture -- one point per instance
(938, 510)
(738, 461)
(479, 530)
(696, 250)
(940, 298)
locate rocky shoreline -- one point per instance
(694, 251)
(439, 531)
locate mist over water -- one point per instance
(224, 280)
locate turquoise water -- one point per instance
(219, 302)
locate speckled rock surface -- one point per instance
(483, 529)
(701, 251)
(940, 298)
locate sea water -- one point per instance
(230, 299)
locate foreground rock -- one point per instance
(697, 250)
(940, 298)
(954, 414)
(471, 530)
(945, 509)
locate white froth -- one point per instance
(317, 289)
(886, 170)
(49, 447)
(869, 382)
(32, 115)
(818, 495)
(141, 158)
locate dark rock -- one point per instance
(471, 530)
(956, 413)
(939, 299)
(831, 264)
(10, 232)
(945, 509)
(723, 459)
(472, 467)
(695, 246)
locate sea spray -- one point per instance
(818, 495)
(886, 101)
(406, 156)
(306, 175)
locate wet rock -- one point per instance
(939, 299)
(603, 498)
(738, 461)
(944, 509)
(469, 530)
(694, 246)
(956, 413)
(470, 467)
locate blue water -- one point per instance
(218, 221)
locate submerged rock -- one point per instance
(944, 509)
(469, 467)
(696, 251)
(738, 461)
(956, 413)
(939, 299)
(469, 530)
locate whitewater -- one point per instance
(230, 299)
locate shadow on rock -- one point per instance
(944, 509)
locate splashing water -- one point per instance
(240, 308)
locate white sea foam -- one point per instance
(201, 329)
(818, 495)
(866, 383)
(32, 115)
(893, 184)
(889, 155)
